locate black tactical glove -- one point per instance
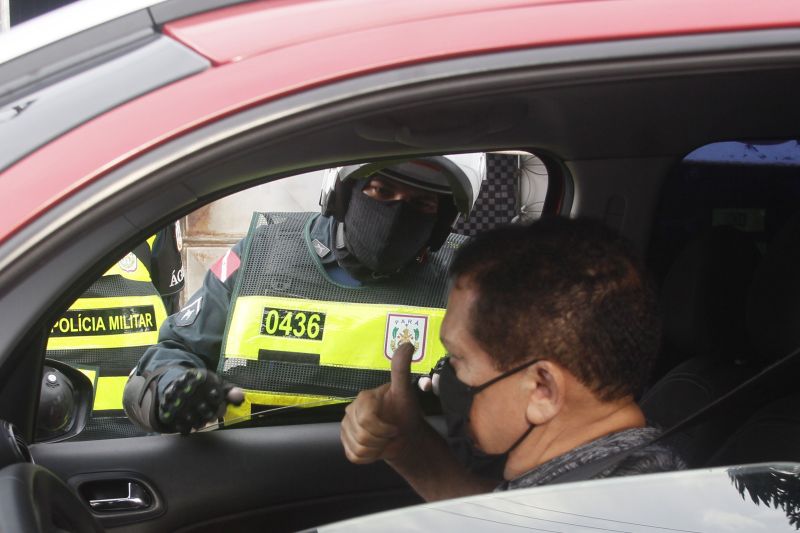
(194, 399)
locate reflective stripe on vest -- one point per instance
(107, 323)
(107, 389)
(287, 333)
(334, 333)
(292, 350)
(116, 322)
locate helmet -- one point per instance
(457, 176)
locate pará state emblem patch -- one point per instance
(129, 263)
(406, 328)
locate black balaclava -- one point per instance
(456, 398)
(383, 236)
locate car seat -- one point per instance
(773, 323)
(770, 435)
(704, 302)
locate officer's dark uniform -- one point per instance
(194, 337)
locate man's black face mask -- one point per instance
(385, 236)
(456, 398)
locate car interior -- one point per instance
(612, 125)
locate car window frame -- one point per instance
(124, 205)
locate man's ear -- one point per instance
(545, 384)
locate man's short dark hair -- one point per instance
(569, 291)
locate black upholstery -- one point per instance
(773, 311)
(704, 301)
(772, 434)
(704, 297)
(773, 319)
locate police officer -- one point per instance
(310, 307)
(106, 331)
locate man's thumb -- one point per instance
(401, 371)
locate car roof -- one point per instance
(462, 26)
(253, 66)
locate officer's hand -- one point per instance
(194, 399)
(381, 422)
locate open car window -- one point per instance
(300, 348)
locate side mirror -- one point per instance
(65, 402)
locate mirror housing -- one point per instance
(65, 402)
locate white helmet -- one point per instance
(458, 176)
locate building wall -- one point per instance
(211, 230)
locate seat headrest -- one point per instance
(704, 296)
(773, 312)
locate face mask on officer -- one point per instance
(385, 235)
(456, 398)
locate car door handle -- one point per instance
(137, 499)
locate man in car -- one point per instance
(309, 308)
(551, 331)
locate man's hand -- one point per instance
(386, 423)
(381, 422)
(194, 399)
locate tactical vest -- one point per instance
(296, 336)
(104, 333)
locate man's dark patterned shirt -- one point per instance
(656, 457)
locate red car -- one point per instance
(117, 118)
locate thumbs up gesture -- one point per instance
(381, 422)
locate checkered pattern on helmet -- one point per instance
(497, 201)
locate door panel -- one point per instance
(272, 479)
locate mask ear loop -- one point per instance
(521, 438)
(504, 375)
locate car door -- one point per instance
(288, 476)
(155, 158)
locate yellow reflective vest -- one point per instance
(295, 336)
(105, 332)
